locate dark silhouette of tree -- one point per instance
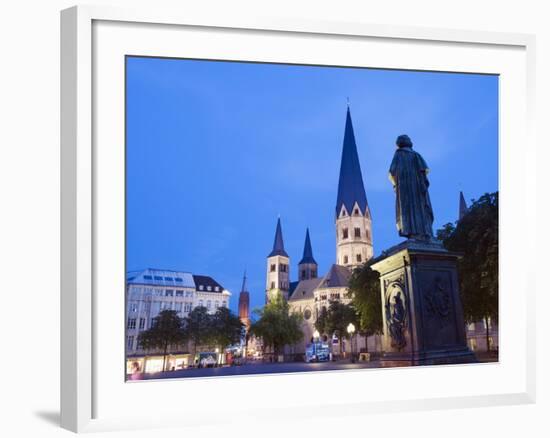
(476, 237)
(364, 290)
(227, 328)
(199, 327)
(167, 330)
(277, 326)
(338, 317)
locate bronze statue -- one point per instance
(409, 176)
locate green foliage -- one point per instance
(167, 330)
(476, 236)
(364, 289)
(277, 326)
(335, 320)
(226, 328)
(199, 326)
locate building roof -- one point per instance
(462, 206)
(304, 289)
(337, 276)
(308, 252)
(278, 245)
(350, 184)
(292, 287)
(208, 284)
(160, 277)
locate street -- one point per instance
(261, 368)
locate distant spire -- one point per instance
(278, 245)
(462, 207)
(243, 288)
(308, 252)
(350, 184)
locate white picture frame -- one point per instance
(85, 383)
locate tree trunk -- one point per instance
(366, 343)
(164, 357)
(487, 334)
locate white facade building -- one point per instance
(150, 291)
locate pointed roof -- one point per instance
(278, 245)
(243, 287)
(462, 207)
(308, 252)
(350, 184)
(338, 276)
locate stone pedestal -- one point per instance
(422, 311)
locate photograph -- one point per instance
(289, 218)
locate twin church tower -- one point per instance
(352, 221)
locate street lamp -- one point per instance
(316, 336)
(351, 331)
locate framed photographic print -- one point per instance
(278, 206)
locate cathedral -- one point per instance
(353, 231)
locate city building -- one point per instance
(353, 228)
(150, 291)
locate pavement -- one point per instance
(262, 368)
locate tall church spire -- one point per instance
(462, 207)
(244, 304)
(350, 184)
(278, 244)
(308, 252)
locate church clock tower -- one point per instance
(278, 267)
(353, 219)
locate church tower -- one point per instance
(277, 268)
(307, 268)
(462, 207)
(353, 219)
(244, 304)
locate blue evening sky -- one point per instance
(217, 150)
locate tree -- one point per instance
(321, 322)
(199, 327)
(476, 237)
(167, 329)
(339, 316)
(277, 326)
(227, 329)
(364, 289)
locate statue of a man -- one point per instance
(409, 176)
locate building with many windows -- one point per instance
(150, 291)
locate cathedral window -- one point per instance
(303, 275)
(356, 212)
(345, 260)
(344, 233)
(357, 232)
(359, 258)
(272, 285)
(272, 268)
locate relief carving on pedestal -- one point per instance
(438, 301)
(396, 313)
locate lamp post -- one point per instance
(316, 335)
(351, 331)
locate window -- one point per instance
(168, 279)
(179, 280)
(209, 288)
(283, 267)
(358, 258)
(200, 303)
(130, 342)
(345, 260)
(208, 304)
(216, 304)
(272, 285)
(158, 278)
(357, 232)
(178, 307)
(217, 289)
(169, 293)
(165, 305)
(344, 233)
(147, 277)
(131, 323)
(201, 287)
(304, 274)
(141, 323)
(272, 268)
(179, 293)
(356, 212)
(133, 306)
(187, 307)
(307, 314)
(157, 292)
(189, 294)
